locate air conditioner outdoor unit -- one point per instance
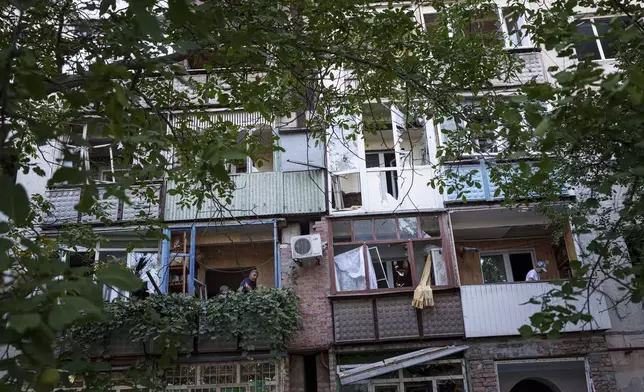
(306, 247)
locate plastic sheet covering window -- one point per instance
(350, 270)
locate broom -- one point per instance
(423, 295)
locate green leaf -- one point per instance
(22, 322)
(146, 21)
(116, 276)
(542, 127)
(69, 311)
(14, 201)
(564, 77)
(526, 331)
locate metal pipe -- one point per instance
(193, 240)
(276, 256)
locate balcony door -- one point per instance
(506, 266)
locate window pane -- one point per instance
(385, 229)
(450, 386)
(408, 227)
(603, 25)
(422, 386)
(514, 24)
(431, 21)
(438, 271)
(385, 388)
(349, 268)
(429, 226)
(588, 47)
(521, 264)
(391, 265)
(363, 230)
(493, 269)
(341, 231)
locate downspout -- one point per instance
(277, 257)
(193, 240)
(165, 261)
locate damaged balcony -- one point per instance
(385, 167)
(376, 265)
(102, 157)
(289, 182)
(495, 250)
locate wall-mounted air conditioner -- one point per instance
(306, 247)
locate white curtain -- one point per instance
(350, 270)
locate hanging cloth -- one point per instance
(423, 295)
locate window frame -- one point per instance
(446, 247)
(112, 293)
(506, 262)
(598, 41)
(526, 40)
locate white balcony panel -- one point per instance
(501, 309)
(413, 191)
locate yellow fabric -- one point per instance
(423, 294)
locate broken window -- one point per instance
(346, 191)
(102, 156)
(395, 250)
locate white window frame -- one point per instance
(111, 293)
(526, 41)
(591, 19)
(506, 261)
(84, 155)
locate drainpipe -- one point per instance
(277, 257)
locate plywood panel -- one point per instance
(257, 255)
(469, 267)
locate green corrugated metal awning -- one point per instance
(398, 362)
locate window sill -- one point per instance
(383, 292)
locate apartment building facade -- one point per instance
(371, 231)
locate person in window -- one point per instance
(223, 291)
(534, 275)
(250, 283)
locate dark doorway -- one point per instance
(531, 386)
(310, 373)
(230, 277)
(521, 264)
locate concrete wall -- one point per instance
(312, 284)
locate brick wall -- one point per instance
(311, 283)
(482, 357)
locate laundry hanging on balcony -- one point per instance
(350, 270)
(423, 295)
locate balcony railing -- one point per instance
(64, 199)
(259, 194)
(533, 69)
(390, 317)
(501, 309)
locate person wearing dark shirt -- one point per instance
(250, 283)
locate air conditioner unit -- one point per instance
(306, 247)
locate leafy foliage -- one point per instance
(165, 325)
